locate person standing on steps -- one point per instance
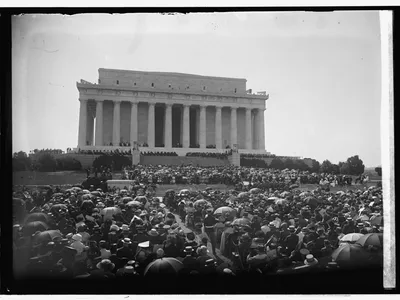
(209, 229)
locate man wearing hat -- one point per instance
(190, 263)
(310, 261)
(104, 270)
(125, 250)
(209, 228)
(291, 241)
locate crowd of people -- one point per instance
(253, 227)
(47, 151)
(209, 154)
(160, 153)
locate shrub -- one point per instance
(117, 161)
(68, 164)
(46, 162)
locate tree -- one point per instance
(276, 163)
(288, 164)
(326, 167)
(315, 166)
(335, 169)
(21, 161)
(378, 170)
(344, 168)
(356, 165)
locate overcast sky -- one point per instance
(321, 70)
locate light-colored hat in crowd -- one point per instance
(153, 232)
(127, 241)
(114, 227)
(144, 244)
(77, 237)
(125, 227)
(310, 260)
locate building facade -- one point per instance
(170, 112)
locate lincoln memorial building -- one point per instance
(175, 112)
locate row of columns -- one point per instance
(168, 125)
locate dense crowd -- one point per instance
(160, 153)
(209, 154)
(254, 227)
(47, 151)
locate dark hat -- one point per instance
(105, 264)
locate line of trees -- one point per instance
(44, 162)
(352, 166)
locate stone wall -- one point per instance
(172, 81)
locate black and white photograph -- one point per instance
(199, 152)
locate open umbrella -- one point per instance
(255, 190)
(165, 265)
(351, 237)
(96, 193)
(371, 239)
(224, 210)
(284, 194)
(56, 208)
(134, 203)
(293, 186)
(350, 254)
(127, 199)
(273, 198)
(110, 211)
(363, 218)
(243, 195)
(200, 202)
(281, 202)
(46, 236)
(31, 227)
(376, 220)
(37, 217)
(87, 196)
(241, 222)
(85, 191)
(311, 201)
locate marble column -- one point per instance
(151, 126)
(248, 129)
(218, 127)
(186, 126)
(233, 126)
(202, 126)
(261, 129)
(82, 123)
(90, 129)
(134, 122)
(168, 126)
(99, 123)
(117, 123)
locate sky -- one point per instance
(320, 69)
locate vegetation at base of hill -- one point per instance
(44, 162)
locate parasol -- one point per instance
(127, 199)
(31, 227)
(351, 237)
(241, 222)
(201, 202)
(281, 202)
(376, 220)
(371, 239)
(255, 190)
(293, 186)
(37, 217)
(134, 203)
(46, 236)
(85, 191)
(165, 265)
(225, 210)
(350, 254)
(243, 195)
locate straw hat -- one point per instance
(310, 260)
